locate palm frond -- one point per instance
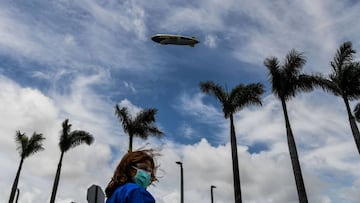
(255, 88)
(35, 144)
(21, 142)
(346, 74)
(143, 125)
(78, 137)
(155, 131)
(351, 82)
(294, 62)
(305, 83)
(140, 126)
(273, 65)
(67, 139)
(26, 146)
(213, 89)
(344, 55)
(318, 80)
(146, 116)
(66, 127)
(357, 112)
(144, 132)
(287, 79)
(65, 130)
(236, 91)
(64, 135)
(275, 75)
(251, 95)
(123, 115)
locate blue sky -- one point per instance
(77, 59)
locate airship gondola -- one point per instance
(174, 39)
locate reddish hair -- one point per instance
(124, 170)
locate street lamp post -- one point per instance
(181, 182)
(212, 194)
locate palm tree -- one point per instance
(69, 139)
(233, 101)
(141, 126)
(26, 147)
(287, 81)
(344, 81)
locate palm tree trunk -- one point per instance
(354, 128)
(130, 142)
(235, 162)
(15, 184)
(17, 195)
(56, 181)
(294, 158)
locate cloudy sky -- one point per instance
(77, 59)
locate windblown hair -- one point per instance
(122, 173)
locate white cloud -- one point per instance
(69, 40)
(30, 110)
(186, 130)
(304, 25)
(133, 110)
(23, 109)
(204, 165)
(211, 41)
(91, 34)
(193, 105)
(188, 18)
(113, 35)
(254, 30)
(127, 14)
(130, 85)
(323, 137)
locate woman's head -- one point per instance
(128, 167)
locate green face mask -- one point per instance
(142, 177)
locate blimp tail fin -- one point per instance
(192, 45)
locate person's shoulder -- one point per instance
(132, 186)
(125, 190)
(136, 193)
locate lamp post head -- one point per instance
(213, 186)
(178, 162)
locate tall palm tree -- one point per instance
(344, 81)
(68, 139)
(141, 126)
(287, 81)
(233, 101)
(26, 147)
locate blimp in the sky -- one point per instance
(174, 39)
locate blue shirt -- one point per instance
(130, 193)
